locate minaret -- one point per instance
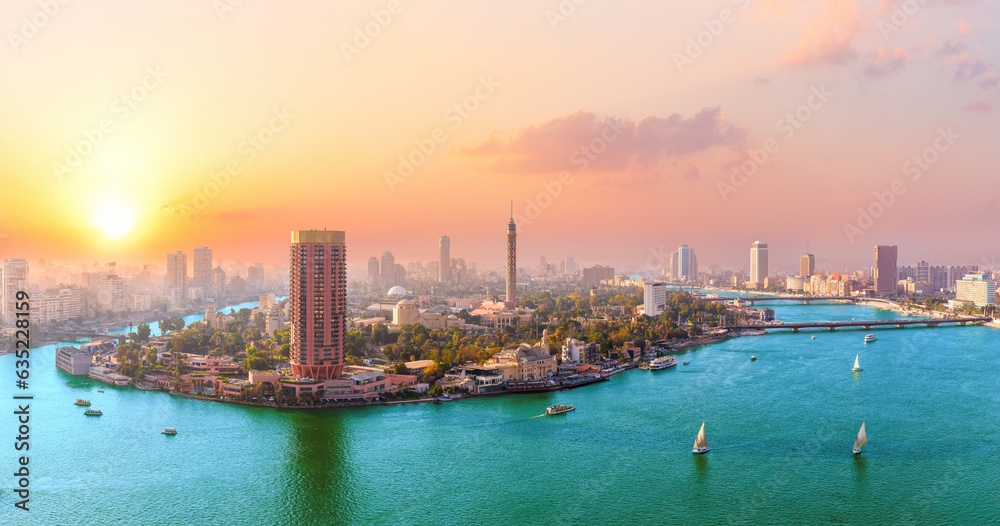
(511, 299)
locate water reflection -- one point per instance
(317, 485)
(701, 468)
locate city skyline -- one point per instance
(782, 129)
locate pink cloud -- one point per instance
(886, 62)
(582, 140)
(828, 37)
(979, 106)
(963, 28)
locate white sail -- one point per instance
(700, 442)
(862, 437)
(857, 366)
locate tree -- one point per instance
(143, 332)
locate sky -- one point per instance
(618, 129)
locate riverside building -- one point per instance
(317, 303)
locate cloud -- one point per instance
(885, 62)
(949, 49)
(989, 80)
(969, 69)
(963, 28)
(980, 106)
(582, 140)
(828, 37)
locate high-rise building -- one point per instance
(976, 288)
(444, 263)
(923, 272)
(511, 297)
(202, 269)
(885, 273)
(654, 297)
(111, 293)
(218, 283)
(318, 303)
(758, 264)
(684, 264)
(177, 274)
(571, 265)
(15, 278)
(596, 274)
(373, 273)
(807, 265)
(255, 277)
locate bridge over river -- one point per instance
(833, 325)
(804, 300)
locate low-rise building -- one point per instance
(108, 376)
(522, 362)
(74, 361)
(579, 352)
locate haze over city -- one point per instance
(316, 112)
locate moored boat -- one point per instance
(559, 409)
(81, 401)
(664, 362)
(92, 412)
(700, 443)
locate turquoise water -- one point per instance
(780, 428)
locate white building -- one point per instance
(579, 352)
(654, 297)
(111, 293)
(74, 361)
(758, 265)
(58, 304)
(976, 288)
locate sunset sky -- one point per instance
(666, 98)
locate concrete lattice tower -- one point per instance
(511, 298)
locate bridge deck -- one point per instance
(866, 324)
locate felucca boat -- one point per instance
(861, 440)
(700, 444)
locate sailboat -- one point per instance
(857, 366)
(700, 444)
(862, 440)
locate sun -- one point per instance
(114, 218)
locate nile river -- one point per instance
(780, 431)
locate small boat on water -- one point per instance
(445, 398)
(81, 401)
(664, 362)
(559, 409)
(857, 366)
(100, 390)
(814, 337)
(869, 338)
(686, 362)
(861, 440)
(753, 358)
(92, 412)
(169, 431)
(700, 443)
